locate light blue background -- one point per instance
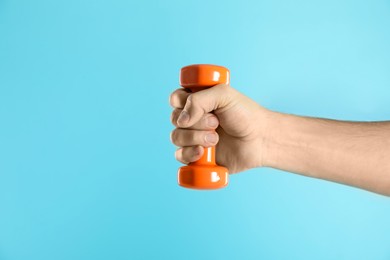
(86, 166)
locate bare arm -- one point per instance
(352, 153)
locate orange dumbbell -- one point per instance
(203, 174)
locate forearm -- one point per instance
(353, 153)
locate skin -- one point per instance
(248, 135)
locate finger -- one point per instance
(208, 121)
(189, 154)
(178, 98)
(184, 137)
(203, 102)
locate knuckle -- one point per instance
(171, 98)
(174, 99)
(178, 154)
(193, 98)
(174, 136)
(174, 115)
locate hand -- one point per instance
(223, 117)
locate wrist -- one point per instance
(272, 133)
(267, 134)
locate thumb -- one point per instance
(203, 102)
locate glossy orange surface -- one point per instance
(203, 174)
